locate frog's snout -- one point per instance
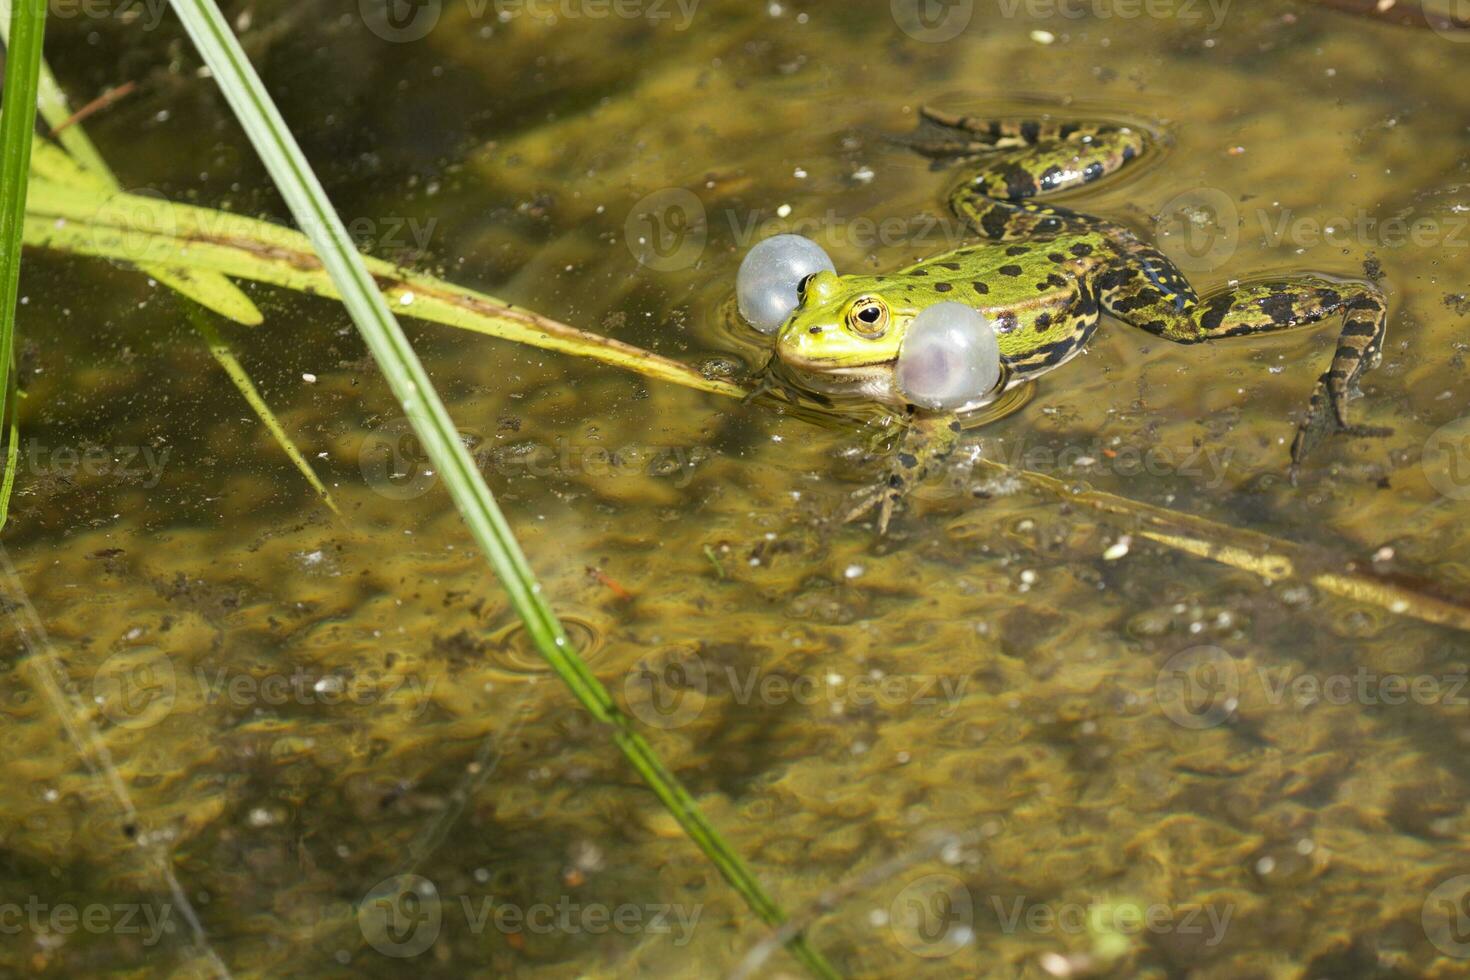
(799, 342)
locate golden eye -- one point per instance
(868, 317)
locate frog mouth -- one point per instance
(826, 366)
(868, 381)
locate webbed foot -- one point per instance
(1327, 416)
(883, 497)
(926, 442)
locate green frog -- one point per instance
(1042, 276)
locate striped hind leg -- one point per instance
(1015, 162)
(1266, 307)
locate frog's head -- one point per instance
(846, 331)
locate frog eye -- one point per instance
(868, 317)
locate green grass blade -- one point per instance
(27, 28)
(87, 167)
(84, 221)
(436, 431)
(81, 166)
(12, 459)
(211, 292)
(51, 162)
(55, 111)
(231, 365)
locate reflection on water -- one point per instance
(247, 733)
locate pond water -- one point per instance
(1020, 735)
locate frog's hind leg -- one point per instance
(1028, 158)
(1015, 162)
(1266, 307)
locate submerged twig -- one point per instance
(49, 676)
(1271, 558)
(96, 105)
(476, 775)
(1413, 14)
(825, 903)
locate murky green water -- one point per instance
(1153, 764)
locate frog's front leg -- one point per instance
(928, 439)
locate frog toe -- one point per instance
(882, 499)
(1326, 417)
(1321, 419)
